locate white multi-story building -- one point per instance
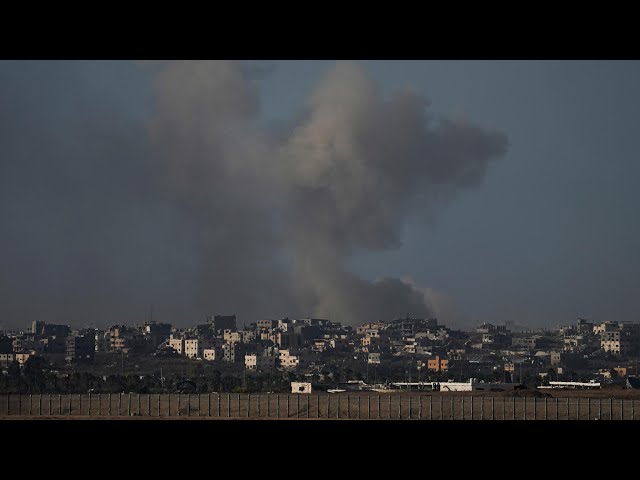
(177, 344)
(287, 359)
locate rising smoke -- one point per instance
(208, 210)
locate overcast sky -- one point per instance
(278, 189)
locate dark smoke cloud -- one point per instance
(202, 210)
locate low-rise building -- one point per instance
(438, 364)
(300, 387)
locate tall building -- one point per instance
(81, 347)
(222, 322)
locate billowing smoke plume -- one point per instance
(343, 179)
(207, 210)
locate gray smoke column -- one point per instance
(273, 218)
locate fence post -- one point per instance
(317, 406)
(514, 407)
(278, 406)
(40, 404)
(481, 408)
(9, 404)
(19, 404)
(525, 407)
(633, 409)
(493, 410)
(400, 407)
(568, 412)
(420, 407)
(430, 407)
(441, 416)
(589, 408)
(368, 407)
(600, 409)
(158, 406)
(120, 404)
(228, 405)
(30, 402)
(610, 408)
(99, 404)
(451, 412)
(328, 405)
(338, 409)
(287, 406)
(557, 408)
(308, 398)
(545, 408)
(50, 413)
(189, 405)
(70, 403)
(504, 408)
(409, 406)
(389, 407)
(179, 403)
(535, 402)
(348, 407)
(129, 405)
(109, 409)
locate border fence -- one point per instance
(315, 406)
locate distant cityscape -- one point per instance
(272, 355)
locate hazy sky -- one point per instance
(124, 184)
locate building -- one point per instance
(177, 344)
(81, 347)
(231, 352)
(623, 340)
(103, 341)
(37, 327)
(556, 358)
(373, 358)
(222, 322)
(231, 336)
(253, 361)
(300, 387)
(22, 357)
(266, 324)
(287, 359)
(210, 354)
(7, 358)
(193, 347)
(524, 342)
(438, 364)
(118, 338)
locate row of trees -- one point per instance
(35, 378)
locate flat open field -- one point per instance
(363, 405)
